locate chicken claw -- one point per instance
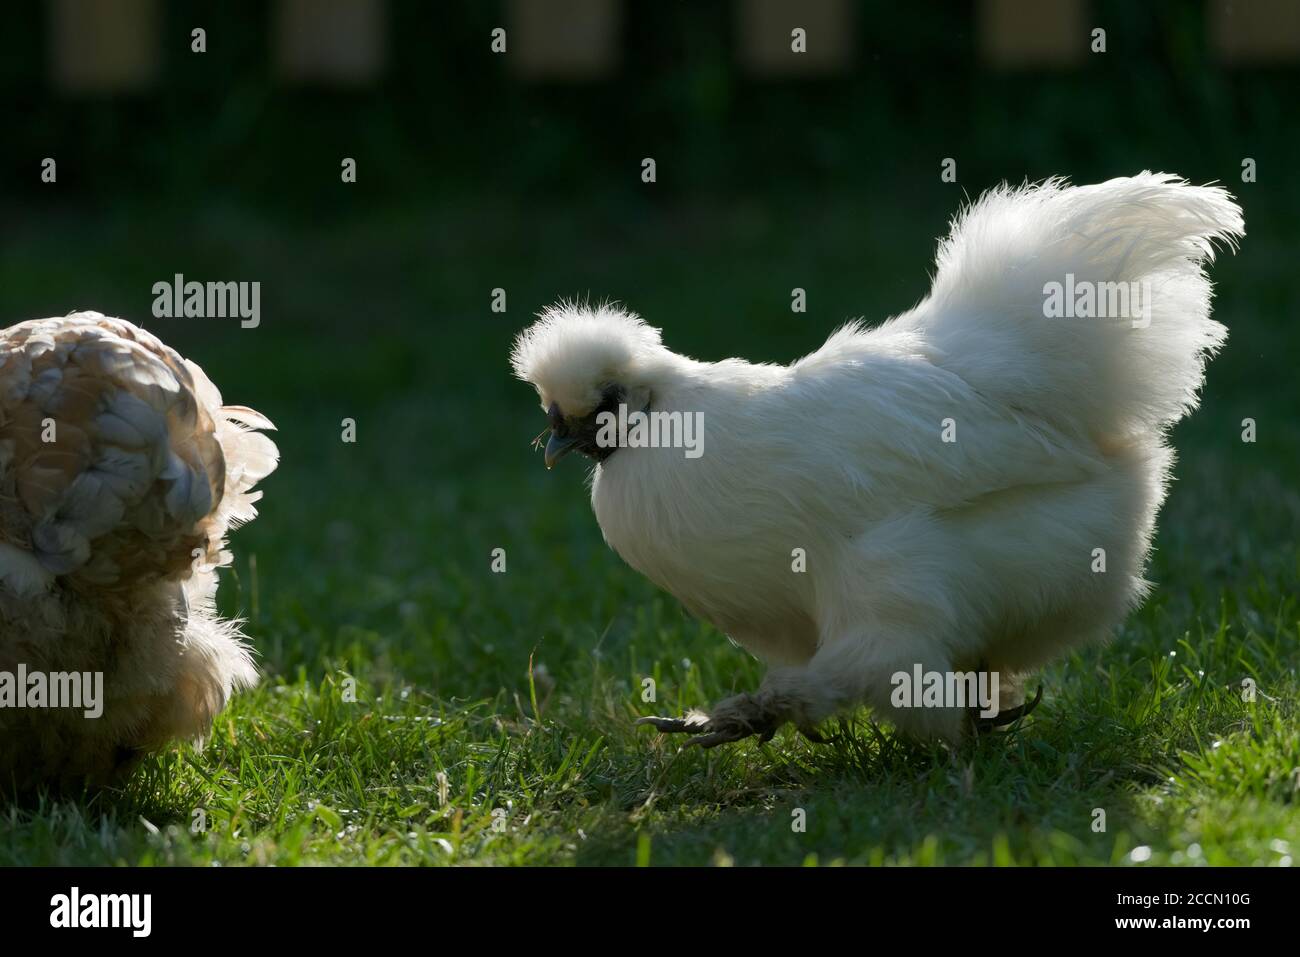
(732, 720)
(1004, 718)
(691, 724)
(710, 733)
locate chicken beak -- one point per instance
(557, 448)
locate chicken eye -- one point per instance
(610, 399)
(555, 418)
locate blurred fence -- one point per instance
(259, 102)
(106, 46)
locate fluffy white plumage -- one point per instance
(975, 553)
(121, 472)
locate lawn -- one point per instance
(419, 708)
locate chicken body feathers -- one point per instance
(121, 472)
(953, 478)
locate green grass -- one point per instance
(370, 568)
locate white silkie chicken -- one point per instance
(121, 472)
(973, 484)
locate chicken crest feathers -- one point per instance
(571, 350)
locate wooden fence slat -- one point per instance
(1261, 31)
(1020, 34)
(103, 46)
(564, 39)
(339, 42)
(765, 34)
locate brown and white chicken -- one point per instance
(121, 473)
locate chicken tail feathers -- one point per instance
(1088, 306)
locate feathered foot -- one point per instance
(734, 719)
(1004, 718)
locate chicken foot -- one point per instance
(1010, 716)
(733, 719)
